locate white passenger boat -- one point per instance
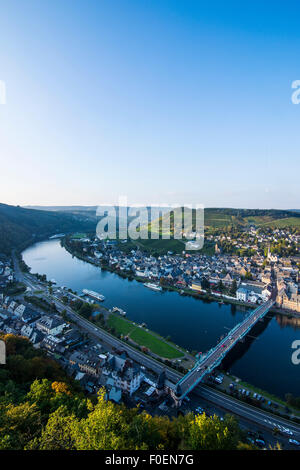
(152, 286)
(93, 294)
(119, 310)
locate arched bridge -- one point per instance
(214, 357)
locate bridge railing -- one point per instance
(264, 307)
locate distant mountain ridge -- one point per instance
(228, 210)
(214, 217)
(20, 226)
(62, 208)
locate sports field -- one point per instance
(143, 337)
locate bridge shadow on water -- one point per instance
(241, 348)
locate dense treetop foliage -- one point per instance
(42, 408)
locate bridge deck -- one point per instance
(214, 357)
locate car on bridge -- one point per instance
(260, 443)
(294, 442)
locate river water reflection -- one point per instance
(191, 323)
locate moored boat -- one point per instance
(93, 294)
(153, 286)
(119, 310)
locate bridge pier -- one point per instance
(177, 401)
(176, 394)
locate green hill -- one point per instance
(20, 226)
(220, 218)
(216, 219)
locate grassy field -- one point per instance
(121, 325)
(259, 220)
(143, 338)
(222, 218)
(289, 222)
(159, 247)
(219, 220)
(163, 246)
(79, 235)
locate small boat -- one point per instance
(93, 294)
(119, 310)
(152, 286)
(58, 235)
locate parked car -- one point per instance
(199, 410)
(260, 443)
(219, 379)
(294, 442)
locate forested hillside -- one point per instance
(41, 408)
(19, 226)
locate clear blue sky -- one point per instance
(162, 101)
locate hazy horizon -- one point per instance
(32, 206)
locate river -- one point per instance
(263, 360)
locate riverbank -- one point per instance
(190, 322)
(206, 297)
(182, 291)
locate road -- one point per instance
(250, 413)
(262, 419)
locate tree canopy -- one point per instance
(42, 408)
